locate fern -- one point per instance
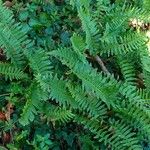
(135, 116)
(89, 76)
(40, 63)
(78, 45)
(64, 86)
(89, 26)
(118, 135)
(93, 106)
(13, 39)
(146, 4)
(56, 114)
(11, 72)
(59, 92)
(34, 98)
(127, 69)
(126, 44)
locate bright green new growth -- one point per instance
(111, 108)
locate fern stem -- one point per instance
(6, 94)
(100, 62)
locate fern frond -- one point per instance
(89, 76)
(11, 72)
(40, 63)
(89, 26)
(123, 44)
(57, 89)
(145, 98)
(7, 43)
(138, 13)
(13, 40)
(60, 94)
(118, 135)
(29, 113)
(144, 94)
(88, 103)
(78, 45)
(130, 92)
(128, 71)
(146, 4)
(138, 117)
(112, 31)
(57, 114)
(146, 76)
(34, 97)
(146, 63)
(65, 54)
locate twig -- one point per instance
(100, 62)
(4, 94)
(11, 135)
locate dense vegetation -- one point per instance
(75, 74)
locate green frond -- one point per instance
(112, 31)
(60, 93)
(42, 69)
(29, 113)
(130, 93)
(117, 135)
(89, 76)
(81, 3)
(57, 114)
(40, 63)
(88, 103)
(127, 43)
(65, 53)
(128, 70)
(138, 13)
(146, 76)
(34, 97)
(145, 97)
(129, 12)
(44, 81)
(7, 44)
(146, 63)
(57, 89)
(11, 72)
(78, 45)
(138, 117)
(13, 39)
(89, 26)
(146, 4)
(126, 134)
(144, 94)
